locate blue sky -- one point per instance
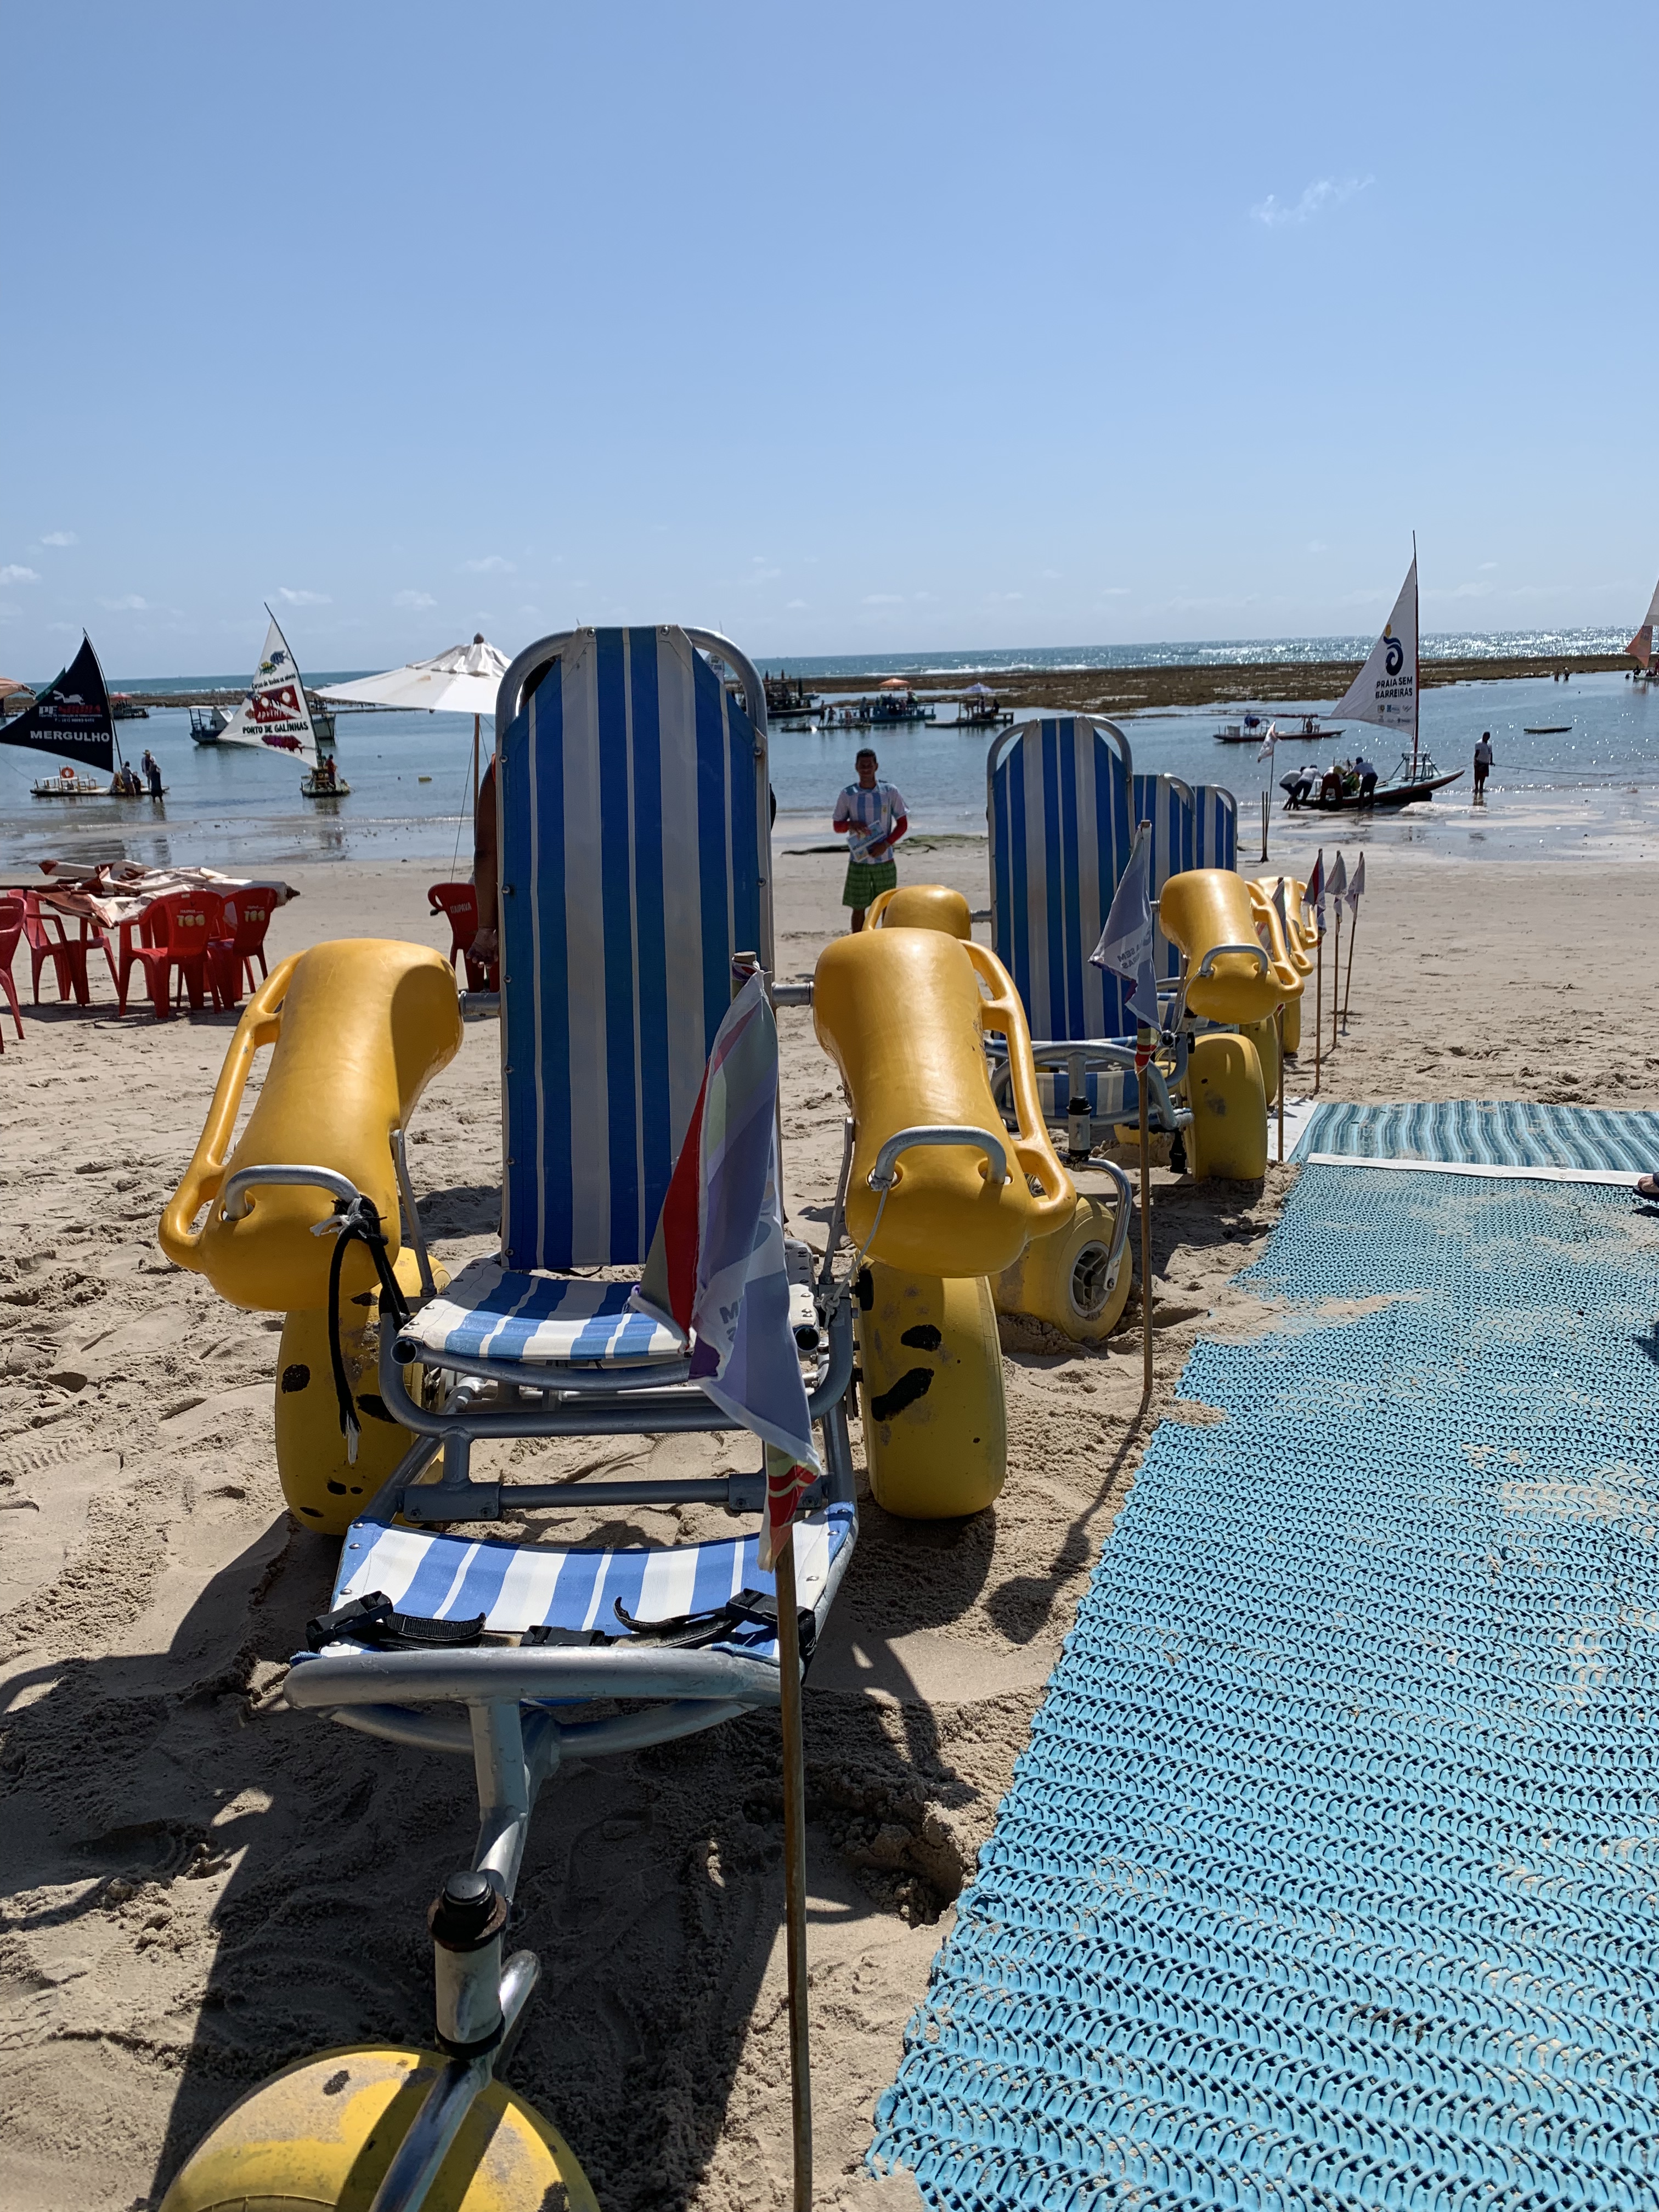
(846, 328)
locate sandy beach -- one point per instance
(199, 1884)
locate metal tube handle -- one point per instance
(885, 1174)
(1206, 966)
(233, 1203)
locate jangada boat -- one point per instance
(1322, 799)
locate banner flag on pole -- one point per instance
(275, 712)
(716, 1270)
(1279, 910)
(1385, 689)
(1314, 896)
(1265, 750)
(1357, 886)
(1337, 882)
(1126, 942)
(71, 718)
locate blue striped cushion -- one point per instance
(631, 863)
(491, 1312)
(519, 1586)
(1059, 806)
(1111, 1092)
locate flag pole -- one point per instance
(1336, 969)
(794, 1871)
(1353, 932)
(1278, 1016)
(1146, 1226)
(1319, 1000)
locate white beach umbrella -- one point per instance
(463, 681)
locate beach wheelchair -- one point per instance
(634, 900)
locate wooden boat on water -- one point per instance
(1386, 797)
(86, 787)
(318, 785)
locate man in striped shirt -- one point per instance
(871, 815)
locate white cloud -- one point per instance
(1317, 545)
(60, 538)
(1115, 592)
(14, 573)
(1489, 564)
(1001, 599)
(416, 599)
(791, 606)
(491, 565)
(301, 598)
(884, 598)
(132, 604)
(1325, 193)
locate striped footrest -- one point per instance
(492, 1312)
(520, 1586)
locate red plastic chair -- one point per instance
(247, 918)
(181, 928)
(68, 954)
(460, 903)
(11, 929)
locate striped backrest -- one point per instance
(1215, 818)
(632, 853)
(1167, 804)
(1058, 811)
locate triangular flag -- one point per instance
(1283, 918)
(1337, 882)
(1314, 896)
(1357, 886)
(1125, 942)
(1264, 752)
(717, 1270)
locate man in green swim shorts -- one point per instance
(871, 815)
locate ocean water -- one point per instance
(1591, 789)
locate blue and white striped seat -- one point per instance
(632, 832)
(1215, 827)
(520, 1586)
(1060, 812)
(491, 1312)
(1167, 803)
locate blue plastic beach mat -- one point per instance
(1331, 1875)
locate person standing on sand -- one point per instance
(871, 815)
(1483, 759)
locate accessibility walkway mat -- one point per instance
(1330, 1877)
(1494, 1132)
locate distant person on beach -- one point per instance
(1365, 770)
(1483, 758)
(871, 816)
(152, 773)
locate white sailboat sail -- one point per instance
(274, 713)
(1385, 689)
(1642, 644)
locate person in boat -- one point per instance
(871, 815)
(1482, 760)
(152, 769)
(1366, 771)
(325, 776)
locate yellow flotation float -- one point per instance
(358, 1028)
(922, 906)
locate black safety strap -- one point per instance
(359, 1224)
(370, 1619)
(689, 1630)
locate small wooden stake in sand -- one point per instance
(1145, 1046)
(1278, 1016)
(794, 1872)
(1336, 969)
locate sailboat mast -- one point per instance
(1417, 656)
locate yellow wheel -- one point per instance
(322, 1490)
(1229, 1134)
(318, 2136)
(935, 1425)
(1067, 1279)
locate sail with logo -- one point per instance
(274, 712)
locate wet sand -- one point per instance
(199, 1884)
